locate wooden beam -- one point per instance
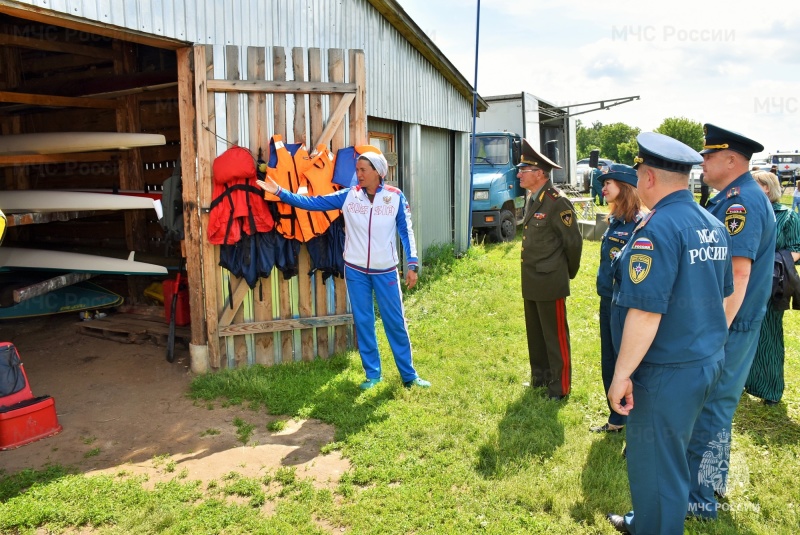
(335, 120)
(47, 16)
(133, 91)
(45, 287)
(61, 102)
(33, 159)
(263, 86)
(286, 325)
(236, 300)
(52, 45)
(358, 111)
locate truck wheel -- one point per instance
(507, 230)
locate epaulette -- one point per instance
(553, 193)
(644, 221)
(733, 192)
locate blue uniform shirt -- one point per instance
(750, 220)
(614, 239)
(677, 264)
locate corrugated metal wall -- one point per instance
(401, 84)
(433, 189)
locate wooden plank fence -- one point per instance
(278, 321)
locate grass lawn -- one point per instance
(477, 453)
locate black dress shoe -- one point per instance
(606, 428)
(618, 522)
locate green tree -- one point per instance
(587, 139)
(616, 141)
(683, 129)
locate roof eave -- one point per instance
(399, 19)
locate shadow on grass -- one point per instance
(529, 431)
(604, 481)
(770, 426)
(320, 389)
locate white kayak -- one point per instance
(17, 258)
(26, 201)
(68, 142)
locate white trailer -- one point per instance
(543, 124)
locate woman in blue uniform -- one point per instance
(619, 189)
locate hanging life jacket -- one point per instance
(319, 176)
(287, 166)
(238, 205)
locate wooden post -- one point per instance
(336, 74)
(259, 142)
(193, 235)
(203, 64)
(240, 356)
(304, 304)
(281, 127)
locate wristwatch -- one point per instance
(413, 268)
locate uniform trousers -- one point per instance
(608, 357)
(712, 435)
(667, 403)
(548, 345)
(386, 288)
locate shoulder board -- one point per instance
(733, 192)
(644, 221)
(553, 193)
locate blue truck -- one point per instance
(497, 198)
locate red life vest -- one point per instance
(238, 204)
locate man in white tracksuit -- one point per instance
(374, 214)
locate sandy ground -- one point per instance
(124, 407)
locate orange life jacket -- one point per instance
(288, 166)
(320, 178)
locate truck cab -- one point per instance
(498, 200)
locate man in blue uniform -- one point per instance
(749, 219)
(671, 280)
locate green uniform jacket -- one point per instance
(551, 245)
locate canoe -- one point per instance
(81, 296)
(26, 201)
(68, 142)
(12, 258)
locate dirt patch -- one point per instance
(123, 407)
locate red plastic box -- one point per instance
(28, 421)
(182, 316)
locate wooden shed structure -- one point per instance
(210, 74)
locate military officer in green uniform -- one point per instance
(551, 255)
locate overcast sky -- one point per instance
(733, 64)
